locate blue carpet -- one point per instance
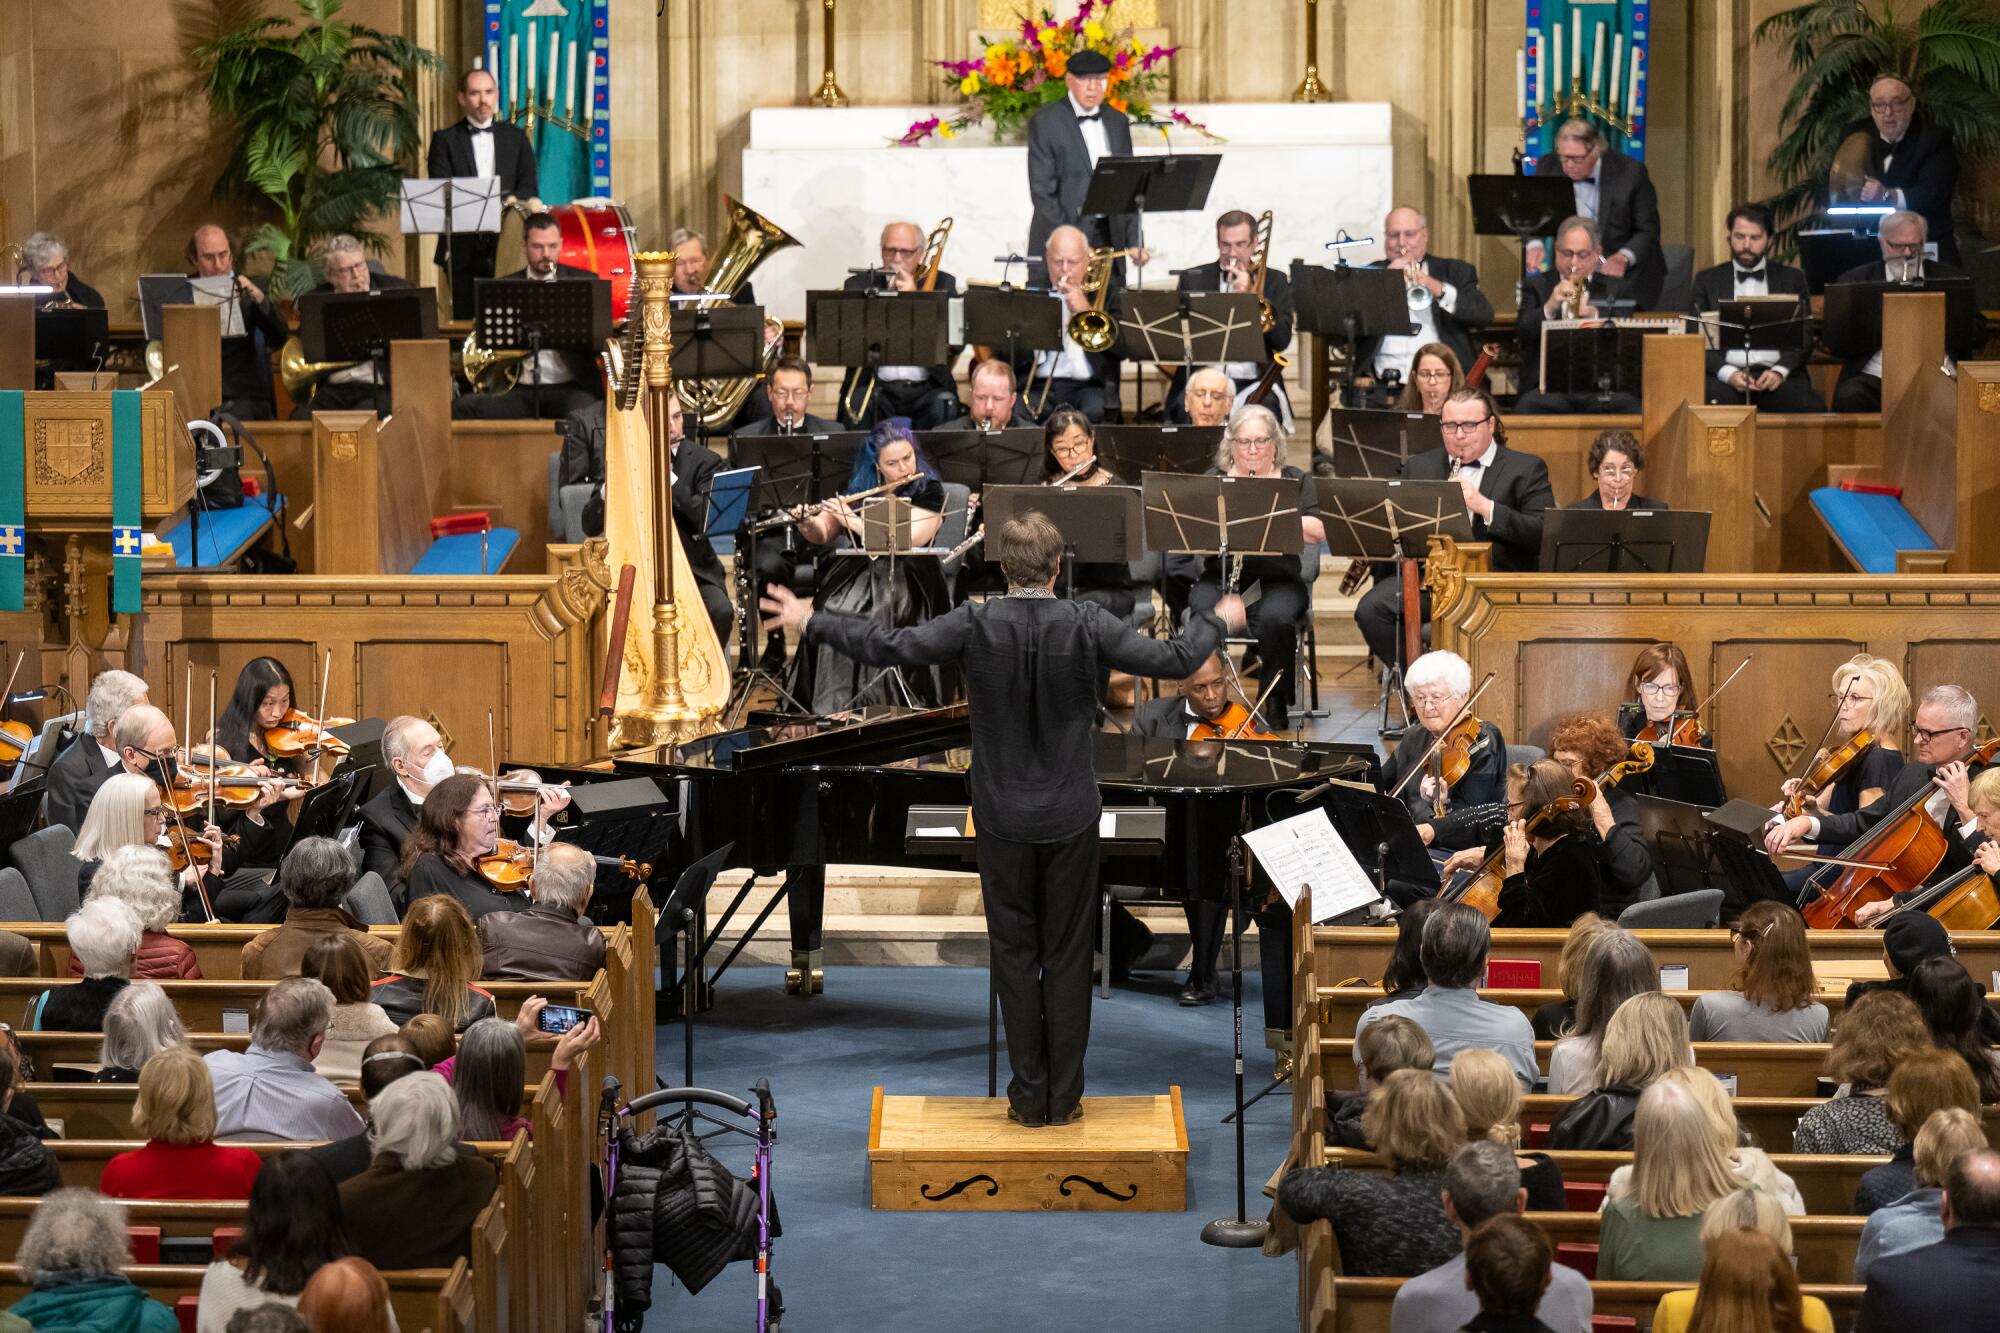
(923, 1030)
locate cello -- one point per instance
(1964, 902)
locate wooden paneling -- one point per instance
(191, 338)
(479, 677)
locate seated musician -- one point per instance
(790, 388)
(1439, 683)
(995, 403)
(352, 389)
(1902, 237)
(1939, 776)
(830, 679)
(249, 335)
(458, 823)
(1589, 745)
(695, 467)
(552, 384)
(1659, 687)
(127, 812)
(926, 396)
(1069, 376)
(1505, 492)
(1773, 381)
(1208, 401)
(260, 701)
(1869, 696)
(1576, 288)
(45, 263)
(1455, 309)
(1072, 443)
(1616, 460)
(87, 761)
(691, 267)
(1236, 251)
(1249, 448)
(1434, 376)
(1551, 871)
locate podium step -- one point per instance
(962, 1154)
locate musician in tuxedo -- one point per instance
(415, 754)
(1209, 399)
(1901, 238)
(553, 384)
(45, 263)
(1546, 296)
(1455, 310)
(1065, 140)
(1505, 492)
(1236, 249)
(1071, 376)
(996, 404)
(1616, 192)
(779, 553)
(1774, 381)
(925, 396)
(1912, 162)
(89, 760)
(1031, 662)
(694, 475)
(246, 354)
(354, 388)
(481, 144)
(1939, 773)
(691, 267)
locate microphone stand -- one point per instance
(1240, 1232)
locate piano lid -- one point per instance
(1163, 765)
(811, 741)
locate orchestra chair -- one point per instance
(45, 860)
(369, 903)
(1699, 910)
(17, 900)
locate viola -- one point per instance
(1830, 764)
(1481, 889)
(511, 865)
(1235, 724)
(296, 734)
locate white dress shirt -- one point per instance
(1071, 363)
(1759, 358)
(1398, 350)
(482, 148)
(546, 367)
(1095, 140)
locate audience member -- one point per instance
(1508, 1261)
(1948, 1285)
(1403, 978)
(103, 933)
(315, 878)
(1490, 1099)
(337, 962)
(414, 1206)
(139, 876)
(1908, 939)
(1645, 1039)
(294, 1225)
(1752, 1165)
(1389, 1224)
(1651, 1227)
(1555, 1018)
(436, 964)
(267, 1317)
(486, 1077)
(140, 1023)
(1917, 1218)
(271, 1090)
(16, 1101)
(1382, 1048)
(552, 939)
(348, 1296)
(1874, 1036)
(1449, 1009)
(1482, 1181)
(26, 1165)
(431, 1037)
(1771, 999)
(1954, 1007)
(1747, 1282)
(1924, 1083)
(385, 1060)
(73, 1259)
(175, 1114)
(1612, 968)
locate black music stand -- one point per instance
(1013, 319)
(1099, 524)
(1523, 207)
(562, 316)
(1826, 254)
(1749, 875)
(720, 343)
(1378, 828)
(1624, 541)
(1780, 323)
(1350, 304)
(1011, 457)
(865, 331)
(1364, 442)
(72, 339)
(1174, 183)
(359, 326)
(955, 455)
(328, 808)
(1192, 328)
(886, 537)
(1852, 323)
(1602, 359)
(1687, 773)
(1680, 836)
(1132, 451)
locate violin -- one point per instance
(1451, 760)
(1236, 723)
(1827, 768)
(295, 734)
(14, 736)
(1641, 761)
(511, 865)
(1481, 889)
(184, 849)
(1682, 726)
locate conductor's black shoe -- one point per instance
(1195, 994)
(1075, 1114)
(1015, 1116)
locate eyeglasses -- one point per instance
(1425, 699)
(1892, 104)
(1434, 374)
(1252, 441)
(1924, 735)
(1626, 470)
(155, 812)
(1657, 689)
(1462, 427)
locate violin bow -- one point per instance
(7, 698)
(319, 734)
(211, 751)
(1813, 755)
(1256, 711)
(1465, 711)
(1712, 695)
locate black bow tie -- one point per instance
(1091, 116)
(477, 129)
(1749, 275)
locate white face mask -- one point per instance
(438, 768)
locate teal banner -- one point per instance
(13, 499)
(547, 57)
(127, 506)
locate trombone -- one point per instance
(927, 276)
(1260, 259)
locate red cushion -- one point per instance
(1580, 1255)
(1583, 1196)
(1613, 1323)
(225, 1239)
(1513, 974)
(188, 1310)
(450, 525)
(145, 1243)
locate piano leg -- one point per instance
(805, 893)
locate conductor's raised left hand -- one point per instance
(1232, 613)
(784, 608)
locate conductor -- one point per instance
(1031, 663)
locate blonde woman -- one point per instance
(1381, 1048)
(1616, 968)
(1646, 1037)
(1878, 1032)
(1748, 1166)
(1771, 999)
(1489, 1096)
(1651, 1229)
(1557, 1017)
(1916, 1219)
(181, 1160)
(125, 812)
(1868, 695)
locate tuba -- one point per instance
(300, 376)
(753, 238)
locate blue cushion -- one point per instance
(225, 533)
(458, 554)
(1870, 528)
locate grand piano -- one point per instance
(794, 797)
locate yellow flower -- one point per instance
(969, 84)
(1093, 32)
(1138, 47)
(947, 132)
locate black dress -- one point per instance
(1876, 768)
(1560, 884)
(1107, 582)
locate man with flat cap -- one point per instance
(1065, 140)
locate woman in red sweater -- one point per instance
(181, 1160)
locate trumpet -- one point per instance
(1414, 291)
(1578, 298)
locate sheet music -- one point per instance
(1304, 854)
(220, 290)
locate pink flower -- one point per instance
(1083, 12)
(1156, 55)
(1028, 31)
(919, 131)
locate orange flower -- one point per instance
(1058, 61)
(1024, 61)
(1118, 103)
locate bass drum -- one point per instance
(597, 235)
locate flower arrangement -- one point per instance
(1012, 80)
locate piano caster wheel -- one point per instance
(805, 976)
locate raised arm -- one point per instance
(862, 639)
(1125, 648)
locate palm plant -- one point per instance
(1949, 52)
(326, 124)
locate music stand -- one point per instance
(1350, 304)
(1174, 183)
(1376, 827)
(886, 532)
(1365, 442)
(1852, 324)
(1011, 457)
(72, 339)
(1687, 773)
(1826, 254)
(955, 455)
(1523, 207)
(1191, 328)
(359, 326)
(1749, 874)
(157, 290)
(1013, 319)
(1600, 359)
(1133, 451)
(562, 316)
(1624, 541)
(1100, 524)
(1779, 323)
(1683, 859)
(1221, 516)
(447, 205)
(865, 331)
(795, 470)
(718, 343)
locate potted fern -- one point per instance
(325, 123)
